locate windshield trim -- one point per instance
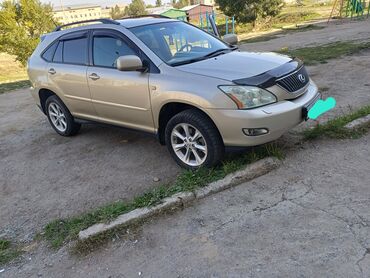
(190, 61)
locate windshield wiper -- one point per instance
(188, 61)
(209, 55)
(219, 52)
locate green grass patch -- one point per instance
(335, 128)
(7, 252)
(7, 87)
(60, 231)
(284, 31)
(294, 17)
(321, 54)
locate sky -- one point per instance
(98, 2)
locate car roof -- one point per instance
(132, 22)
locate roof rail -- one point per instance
(102, 20)
(147, 15)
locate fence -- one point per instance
(355, 9)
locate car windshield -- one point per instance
(178, 43)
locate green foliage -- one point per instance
(7, 252)
(158, 3)
(320, 54)
(247, 11)
(117, 13)
(179, 3)
(7, 87)
(4, 244)
(136, 8)
(335, 128)
(21, 25)
(62, 230)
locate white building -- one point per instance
(70, 14)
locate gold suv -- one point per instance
(195, 92)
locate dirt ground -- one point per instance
(45, 176)
(309, 218)
(334, 31)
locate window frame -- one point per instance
(70, 36)
(152, 68)
(114, 35)
(56, 42)
(75, 36)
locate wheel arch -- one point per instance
(169, 110)
(44, 94)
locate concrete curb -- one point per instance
(358, 122)
(250, 172)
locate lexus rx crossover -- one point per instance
(194, 91)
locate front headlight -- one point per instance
(247, 97)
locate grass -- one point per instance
(60, 231)
(284, 31)
(10, 70)
(7, 87)
(13, 75)
(335, 128)
(321, 54)
(8, 252)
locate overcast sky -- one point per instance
(99, 2)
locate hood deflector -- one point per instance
(269, 78)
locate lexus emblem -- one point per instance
(302, 78)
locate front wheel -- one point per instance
(193, 140)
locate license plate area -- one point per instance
(309, 105)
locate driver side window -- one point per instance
(107, 49)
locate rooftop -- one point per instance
(74, 7)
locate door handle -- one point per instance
(52, 71)
(94, 76)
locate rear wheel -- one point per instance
(193, 140)
(60, 118)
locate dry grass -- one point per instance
(10, 70)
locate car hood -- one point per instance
(236, 65)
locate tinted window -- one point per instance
(75, 51)
(58, 58)
(107, 49)
(49, 53)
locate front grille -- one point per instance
(295, 81)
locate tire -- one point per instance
(202, 149)
(60, 118)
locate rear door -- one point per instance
(118, 97)
(67, 73)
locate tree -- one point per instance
(180, 3)
(117, 13)
(246, 11)
(158, 3)
(137, 7)
(22, 23)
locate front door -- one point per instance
(118, 97)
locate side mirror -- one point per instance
(130, 63)
(231, 39)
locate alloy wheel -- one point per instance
(57, 117)
(189, 144)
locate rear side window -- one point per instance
(58, 58)
(49, 53)
(75, 51)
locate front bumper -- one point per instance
(278, 118)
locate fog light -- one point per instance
(255, 131)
